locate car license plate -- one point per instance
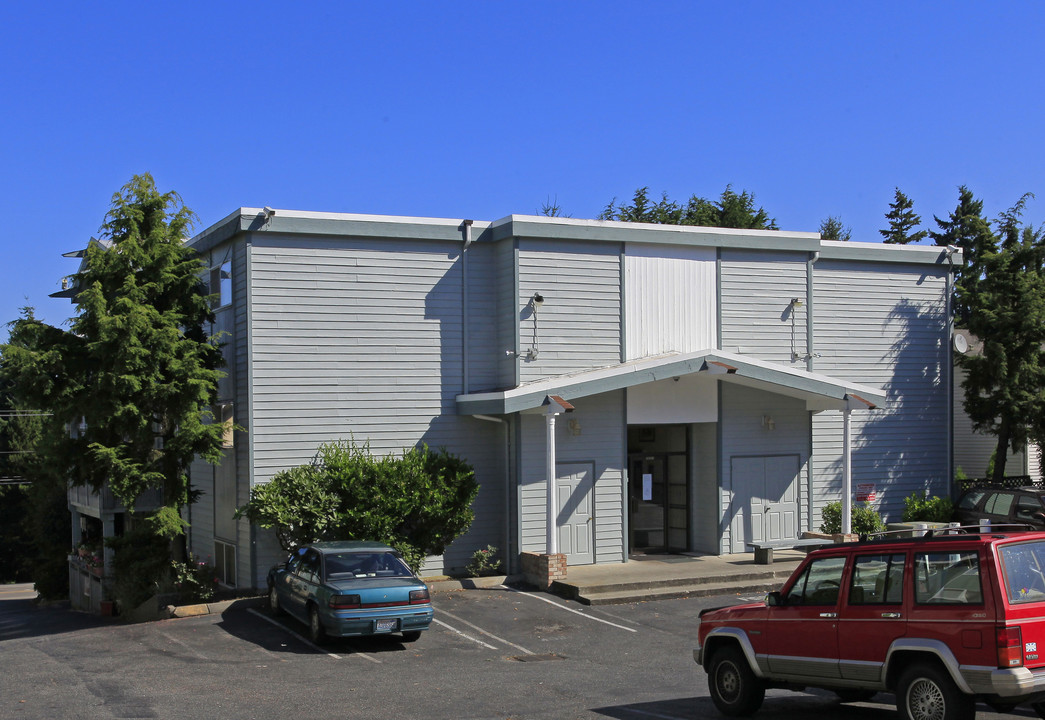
(386, 625)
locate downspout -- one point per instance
(810, 345)
(464, 304)
(507, 554)
(810, 356)
(949, 369)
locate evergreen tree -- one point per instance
(833, 229)
(732, 210)
(137, 374)
(1003, 292)
(902, 221)
(966, 229)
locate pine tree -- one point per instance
(732, 210)
(902, 221)
(832, 229)
(1003, 292)
(137, 374)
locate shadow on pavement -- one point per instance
(22, 617)
(284, 634)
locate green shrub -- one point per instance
(418, 503)
(921, 508)
(484, 563)
(865, 519)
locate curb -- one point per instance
(184, 611)
(434, 585)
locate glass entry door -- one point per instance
(658, 502)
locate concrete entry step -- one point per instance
(664, 577)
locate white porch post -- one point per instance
(553, 534)
(847, 470)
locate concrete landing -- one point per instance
(656, 577)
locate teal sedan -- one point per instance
(348, 589)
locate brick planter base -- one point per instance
(543, 570)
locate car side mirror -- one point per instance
(774, 599)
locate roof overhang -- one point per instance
(820, 392)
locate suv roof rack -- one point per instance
(951, 531)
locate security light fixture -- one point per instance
(537, 299)
(269, 212)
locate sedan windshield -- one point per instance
(365, 565)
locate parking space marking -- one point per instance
(185, 645)
(308, 642)
(484, 632)
(563, 607)
(464, 635)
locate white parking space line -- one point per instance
(464, 635)
(563, 607)
(644, 713)
(308, 642)
(192, 650)
(484, 632)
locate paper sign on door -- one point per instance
(647, 486)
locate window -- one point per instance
(877, 580)
(819, 584)
(221, 284)
(225, 563)
(1024, 565)
(1027, 507)
(970, 499)
(999, 503)
(950, 578)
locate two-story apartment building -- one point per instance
(671, 389)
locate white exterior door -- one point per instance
(576, 517)
(765, 499)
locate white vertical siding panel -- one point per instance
(669, 299)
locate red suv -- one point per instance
(940, 621)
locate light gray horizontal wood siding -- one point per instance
(362, 340)
(505, 281)
(579, 325)
(743, 434)
(601, 418)
(883, 325)
(756, 292)
(973, 450)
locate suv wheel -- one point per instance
(734, 688)
(926, 692)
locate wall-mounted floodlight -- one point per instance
(537, 299)
(269, 212)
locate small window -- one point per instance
(999, 504)
(819, 584)
(970, 500)
(1027, 507)
(877, 580)
(948, 578)
(225, 563)
(221, 285)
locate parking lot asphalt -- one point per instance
(493, 653)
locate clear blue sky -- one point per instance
(484, 109)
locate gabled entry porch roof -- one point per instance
(820, 392)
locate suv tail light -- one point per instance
(418, 597)
(344, 602)
(1010, 647)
